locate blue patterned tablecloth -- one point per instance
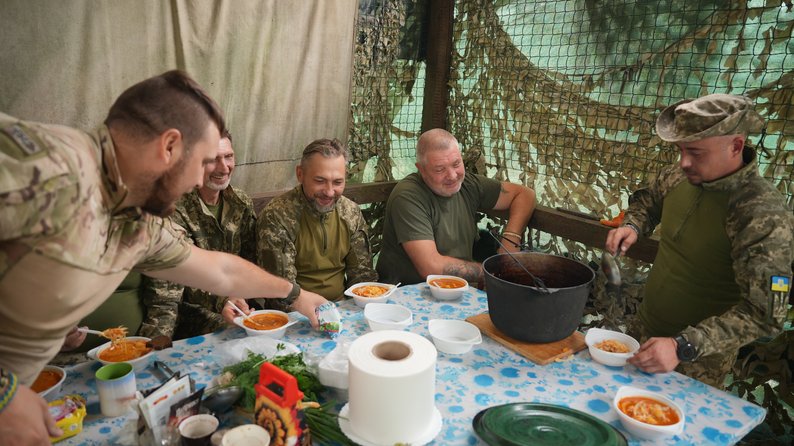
(465, 384)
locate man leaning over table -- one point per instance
(726, 245)
(80, 210)
(430, 224)
(218, 217)
(313, 234)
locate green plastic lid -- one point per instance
(521, 424)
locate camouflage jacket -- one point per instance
(760, 229)
(235, 234)
(65, 244)
(278, 230)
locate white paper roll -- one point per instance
(392, 386)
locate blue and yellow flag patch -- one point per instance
(780, 283)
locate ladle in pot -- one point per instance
(536, 280)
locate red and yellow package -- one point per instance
(68, 413)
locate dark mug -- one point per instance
(196, 430)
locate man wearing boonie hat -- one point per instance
(722, 273)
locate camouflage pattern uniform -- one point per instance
(722, 300)
(64, 244)
(181, 312)
(279, 234)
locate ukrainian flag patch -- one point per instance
(780, 283)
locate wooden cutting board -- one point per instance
(540, 354)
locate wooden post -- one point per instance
(439, 55)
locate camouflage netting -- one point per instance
(563, 95)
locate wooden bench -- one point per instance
(546, 219)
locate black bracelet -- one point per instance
(293, 294)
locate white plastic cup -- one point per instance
(116, 387)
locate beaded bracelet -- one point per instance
(8, 387)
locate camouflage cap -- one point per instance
(712, 115)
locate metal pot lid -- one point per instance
(520, 424)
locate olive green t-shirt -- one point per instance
(414, 212)
(123, 308)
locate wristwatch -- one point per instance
(685, 350)
(293, 294)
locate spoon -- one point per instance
(88, 330)
(610, 267)
(245, 316)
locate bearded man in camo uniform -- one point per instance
(217, 217)
(723, 270)
(312, 234)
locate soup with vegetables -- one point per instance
(648, 410)
(447, 283)
(45, 380)
(370, 291)
(265, 321)
(124, 350)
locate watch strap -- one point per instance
(293, 294)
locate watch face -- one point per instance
(686, 351)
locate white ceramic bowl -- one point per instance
(387, 316)
(645, 430)
(441, 293)
(597, 335)
(55, 390)
(276, 333)
(362, 301)
(138, 364)
(453, 336)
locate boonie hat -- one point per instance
(707, 116)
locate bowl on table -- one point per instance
(648, 415)
(49, 382)
(447, 287)
(135, 350)
(370, 292)
(270, 323)
(381, 316)
(453, 336)
(600, 342)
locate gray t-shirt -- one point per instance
(414, 212)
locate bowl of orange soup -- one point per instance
(49, 382)
(648, 415)
(132, 349)
(447, 287)
(270, 323)
(370, 292)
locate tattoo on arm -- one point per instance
(470, 271)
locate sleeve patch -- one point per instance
(26, 143)
(780, 283)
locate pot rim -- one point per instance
(551, 290)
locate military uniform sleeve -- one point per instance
(37, 191)
(358, 262)
(168, 246)
(161, 303)
(762, 247)
(645, 205)
(276, 241)
(248, 236)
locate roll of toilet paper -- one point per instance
(392, 385)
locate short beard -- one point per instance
(324, 209)
(217, 187)
(162, 199)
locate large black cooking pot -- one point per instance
(525, 312)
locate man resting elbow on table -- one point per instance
(430, 224)
(80, 210)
